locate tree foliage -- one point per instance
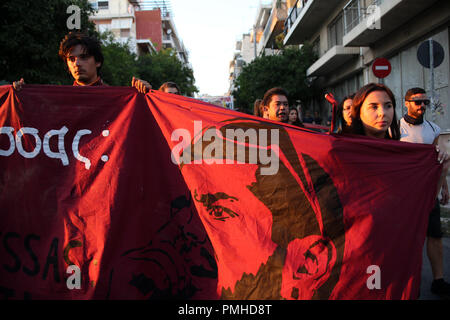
(119, 64)
(163, 66)
(30, 34)
(286, 70)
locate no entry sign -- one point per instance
(381, 68)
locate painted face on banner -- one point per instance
(299, 232)
(176, 262)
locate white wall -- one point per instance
(407, 73)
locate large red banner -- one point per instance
(106, 193)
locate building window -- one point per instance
(103, 5)
(124, 33)
(336, 32)
(316, 46)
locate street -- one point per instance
(427, 277)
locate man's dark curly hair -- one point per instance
(91, 44)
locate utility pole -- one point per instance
(254, 39)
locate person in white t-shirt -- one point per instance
(414, 128)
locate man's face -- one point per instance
(347, 111)
(277, 109)
(414, 110)
(171, 90)
(82, 66)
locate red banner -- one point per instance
(110, 194)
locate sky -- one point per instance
(209, 30)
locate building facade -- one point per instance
(350, 35)
(245, 53)
(118, 17)
(262, 40)
(146, 25)
(169, 35)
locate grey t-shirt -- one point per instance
(426, 132)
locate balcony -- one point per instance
(306, 18)
(368, 21)
(145, 46)
(332, 59)
(274, 26)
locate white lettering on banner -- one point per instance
(76, 142)
(17, 143)
(34, 133)
(61, 154)
(9, 131)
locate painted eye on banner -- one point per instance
(210, 202)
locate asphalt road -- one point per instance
(427, 277)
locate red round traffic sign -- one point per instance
(381, 68)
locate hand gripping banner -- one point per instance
(110, 194)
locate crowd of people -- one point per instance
(369, 112)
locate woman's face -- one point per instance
(292, 116)
(347, 111)
(377, 113)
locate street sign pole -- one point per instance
(381, 68)
(433, 109)
(431, 54)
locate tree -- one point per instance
(30, 34)
(163, 66)
(286, 70)
(119, 64)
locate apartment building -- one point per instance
(147, 25)
(118, 16)
(268, 24)
(169, 35)
(244, 54)
(349, 35)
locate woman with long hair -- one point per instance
(374, 112)
(344, 114)
(294, 118)
(257, 108)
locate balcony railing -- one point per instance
(294, 14)
(356, 11)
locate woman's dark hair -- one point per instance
(297, 122)
(257, 108)
(169, 84)
(341, 125)
(91, 44)
(358, 101)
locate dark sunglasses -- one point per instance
(419, 102)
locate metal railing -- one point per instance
(356, 11)
(163, 5)
(294, 14)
